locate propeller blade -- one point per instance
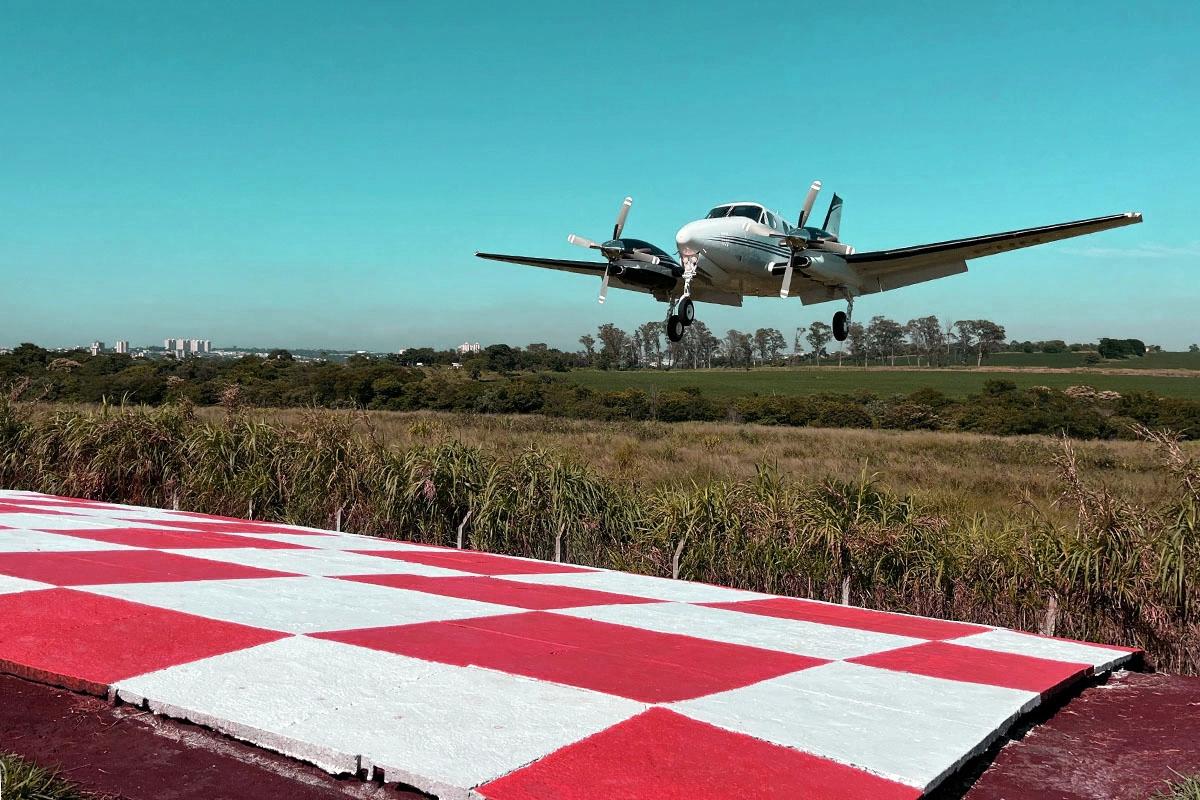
(787, 280)
(638, 255)
(808, 202)
(604, 287)
(621, 215)
(582, 241)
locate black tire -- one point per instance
(675, 328)
(841, 326)
(687, 311)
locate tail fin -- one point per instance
(833, 219)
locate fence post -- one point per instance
(1050, 621)
(175, 501)
(462, 525)
(678, 554)
(846, 590)
(337, 523)
(250, 510)
(558, 542)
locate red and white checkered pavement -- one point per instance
(468, 674)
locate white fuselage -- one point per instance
(748, 263)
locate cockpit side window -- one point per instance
(749, 212)
(718, 212)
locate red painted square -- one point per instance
(850, 617)
(122, 566)
(175, 539)
(631, 662)
(232, 526)
(976, 665)
(475, 561)
(533, 596)
(661, 755)
(85, 641)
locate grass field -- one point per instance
(958, 473)
(726, 383)
(1075, 360)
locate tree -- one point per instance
(649, 336)
(1121, 348)
(1195, 348)
(279, 354)
(819, 334)
(769, 343)
(925, 333)
(612, 345)
(739, 349)
(884, 336)
(589, 348)
(988, 338)
(856, 338)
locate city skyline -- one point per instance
(324, 175)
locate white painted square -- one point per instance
(1102, 659)
(319, 562)
(909, 728)
(641, 586)
(440, 728)
(11, 585)
(754, 630)
(301, 605)
(20, 540)
(332, 541)
(65, 522)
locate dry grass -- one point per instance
(958, 473)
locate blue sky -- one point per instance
(320, 174)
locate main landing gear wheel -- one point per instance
(687, 311)
(675, 326)
(841, 326)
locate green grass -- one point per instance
(21, 780)
(726, 383)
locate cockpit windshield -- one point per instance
(749, 212)
(718, 212)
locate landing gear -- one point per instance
(841, 320)
(687, 310)
(675, 328)
(841, 326)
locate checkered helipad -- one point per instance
(460, 672)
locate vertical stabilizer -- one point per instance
(833, 219)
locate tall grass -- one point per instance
(1117, 570)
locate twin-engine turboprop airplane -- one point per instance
(745, 249)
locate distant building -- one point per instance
(97, 348)
(122, 346)
(468, 347)
(182, 347)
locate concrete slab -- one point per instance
(320, 561)
(789, 636)
(442, 729)
(301, 604)
(471, 674)
(643, 586)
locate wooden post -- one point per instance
(678, 555)
(846, 590)
(462, 525)
(1050, 621)
(337, 522)
(558, 542)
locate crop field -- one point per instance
(954, 382)
(1175, 360)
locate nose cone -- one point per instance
(692, 237)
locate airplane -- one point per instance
(744, 249)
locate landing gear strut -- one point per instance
(685, 315)
(841, 321)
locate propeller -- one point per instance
(809, 199)
(615, 249)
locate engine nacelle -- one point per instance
(830, 270)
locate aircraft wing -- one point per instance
(891, 269)
(561, 264)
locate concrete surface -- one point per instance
(473, 675)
